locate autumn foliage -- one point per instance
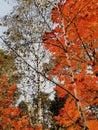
(73, 45)
(10, 118)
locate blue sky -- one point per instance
(6, 6)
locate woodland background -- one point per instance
(49, 66)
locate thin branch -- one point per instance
(82, 42)
(43, 75)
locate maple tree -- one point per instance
(73, 44)
(10, 114)
(12, 117)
